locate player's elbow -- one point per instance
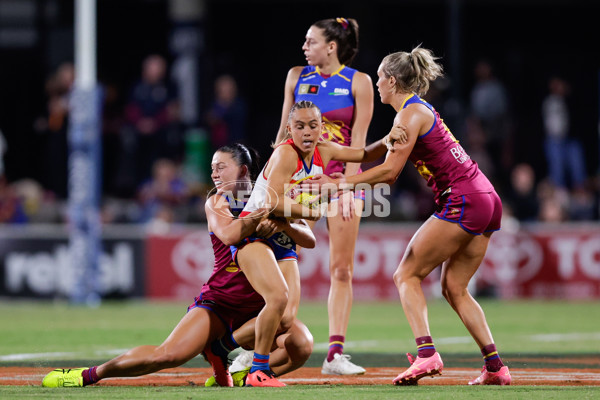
(229, 241)
(390, 176)
(229, 238)
(391, 170)
(309, 243)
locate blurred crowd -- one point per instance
(156, 170)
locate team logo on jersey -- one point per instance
(305, 88)
(339, 92)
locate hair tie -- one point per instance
(343, 22)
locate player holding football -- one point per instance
(300, 155)
(230, 299)
(457, 234)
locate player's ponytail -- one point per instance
(244, 155)
(343, 31)
(413, 71)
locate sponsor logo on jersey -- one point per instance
(324, 83)
(305, 88)
(339, 92)
(459, 154)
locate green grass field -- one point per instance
(43, 334)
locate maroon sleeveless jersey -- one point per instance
(443, 162)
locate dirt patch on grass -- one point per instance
(312, 376)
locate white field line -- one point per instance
(559, 337)
(59, 355)
(548, 337)
(363, 344)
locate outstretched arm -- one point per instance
(411, 122)
(373, 152)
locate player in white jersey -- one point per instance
(300, 155)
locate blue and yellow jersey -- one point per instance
(333, 95)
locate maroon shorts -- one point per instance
(233, 316)
(476, 213)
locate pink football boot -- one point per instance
(419, 368)
(501, 377)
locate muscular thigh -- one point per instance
(289, 269)
(460, 268)
(196, 329)
(343, 234)
(260, 267)
(435, 242)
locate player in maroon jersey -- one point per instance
(227, 300)
(457, 234)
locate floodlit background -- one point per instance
(200, 55)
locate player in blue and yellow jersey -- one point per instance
(345, 98)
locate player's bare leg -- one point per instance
(342, 241)
(263, 273)
(294, 347)
(431, 245)
(456, 274)
(197, 328)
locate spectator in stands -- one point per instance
(53, 126)
(151, 111)
(490, 116)
(112, 129)
(227, 115)
(11, 206)
(582, 204)
(563, 151)
(161, 196)
(522, 197)
(553, 202)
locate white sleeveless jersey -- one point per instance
(259, 192)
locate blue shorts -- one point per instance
(283, 247)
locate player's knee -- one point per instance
(341, 272)
(304, 349)
(407, 274)
(286, 323)
(452, 291)
(277, 300)
(399, 277)
(300, 347)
